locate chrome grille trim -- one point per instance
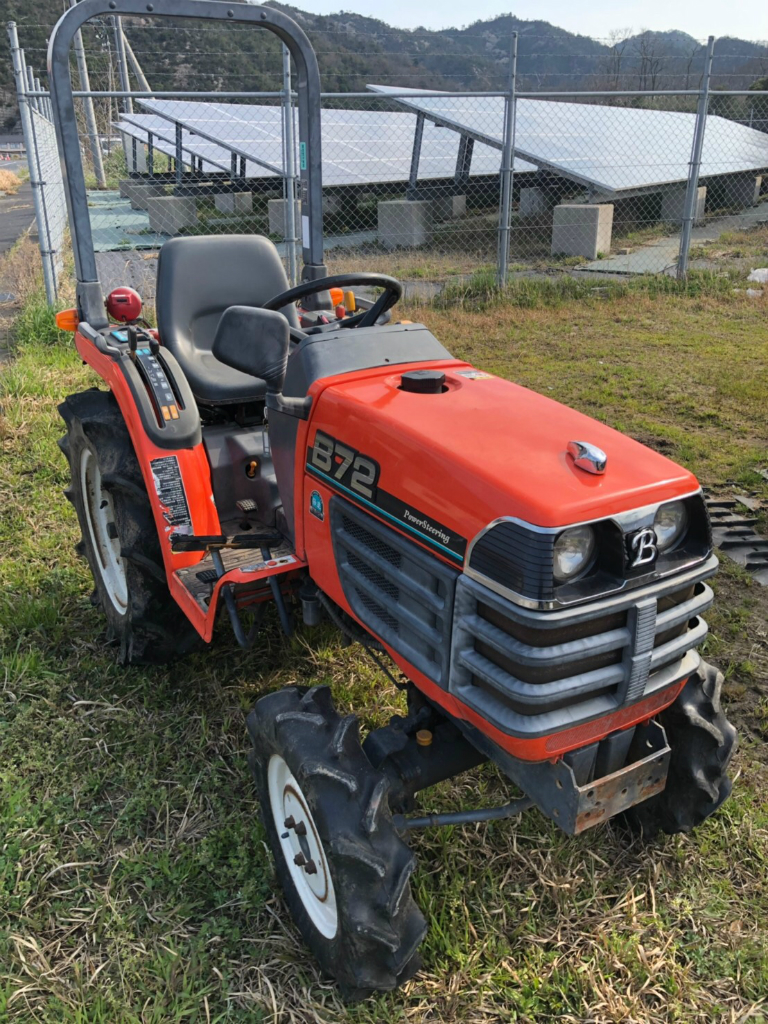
(526, 708)
(557, 654)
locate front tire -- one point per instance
(703, 742)
(119, 537)
(344, 870)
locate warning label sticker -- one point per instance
(475, 375)
(171, 494)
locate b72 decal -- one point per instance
(344, 465)
(336, 462)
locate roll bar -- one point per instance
(89, 296)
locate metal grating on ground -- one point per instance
(733, 532)
(116, 226)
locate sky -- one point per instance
(747, 19)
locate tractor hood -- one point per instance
(481, 449)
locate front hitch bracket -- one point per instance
(580, 807)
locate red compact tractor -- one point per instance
(537, 578)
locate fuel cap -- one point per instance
(423, 382)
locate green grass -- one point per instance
(115, 168)
(134, 880)
(481, 290)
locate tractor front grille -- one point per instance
(534, 671)
(401, 593)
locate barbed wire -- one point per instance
(438, 53)
(263, 72)
(413, 33)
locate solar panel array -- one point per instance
(141, 126)
(608, 148)
(359, 146)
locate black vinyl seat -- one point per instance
(197, 279)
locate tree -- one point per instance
(618, 40)
(690, 56)
(650, 53)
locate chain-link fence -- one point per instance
(433, 187)
(44, 170)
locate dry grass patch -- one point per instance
(9, 182)
(20, 268)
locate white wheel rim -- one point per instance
(100, 516)
(315, 890)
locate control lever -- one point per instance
(285, 616)
(133, 341)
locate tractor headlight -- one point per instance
(574, 552)
(670, 524)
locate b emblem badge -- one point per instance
(642, 548)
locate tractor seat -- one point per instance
(197, 279)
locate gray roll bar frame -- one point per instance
(89, 296)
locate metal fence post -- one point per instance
(689, 211)
(179, 159)
(507, 166)
(122, 64)
(90, 113)
(134, 62)
(30, 84)
(290, 168)
(19, 73)
(44, 234)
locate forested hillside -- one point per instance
(354, 50)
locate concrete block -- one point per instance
(333, 205)
(582, 230)
(449, 207)
(234, 202)
(276, 211)
(140, 192)
(673, 205)
(736, 190)
(535, 201)
(405, 224)
(169, 214)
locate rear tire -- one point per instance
(703, 742)
(119, 537)
(354, 907)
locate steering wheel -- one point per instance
(392, 293)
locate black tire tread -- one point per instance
(345, 732)
(703, 742)
(153, 629)
(381, 928)
(148, 565)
